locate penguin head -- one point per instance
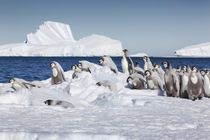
(125, 52)
(194, 69)
(153, 64)
(101, 60)
(48, 102)
(178, 68)
(73, 67)
(185, 68)
(98, 83)
(137, 64)
(145, 58)
(166, 64)
(11, 80)
(203, 72)
(156, 66)
(129, 79)
(52, 64)
(147, 73)
(79, 65)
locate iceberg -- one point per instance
(199, 50)
(139, 55)
(56, 39)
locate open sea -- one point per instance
(37, 68)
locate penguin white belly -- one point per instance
(185, 82)
(16, 86)
(54, 72)
(124, 65)
(206, 85)
(194, 79)
(151, 84)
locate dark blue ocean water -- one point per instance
(37, 68)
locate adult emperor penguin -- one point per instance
(184, 81)
(147, 63)
(171, 80)
(153, 82)
(108, 84)
(63, 104)
(195, 85)
(18, 83)
(107, 61)
(127, 63)
(57, 73)
(206, 82)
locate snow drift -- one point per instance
(199, 50)
(56, 39)
(100, 113)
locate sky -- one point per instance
(155, 27)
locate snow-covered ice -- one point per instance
(199, 50)
(100, 113)
(56, 39)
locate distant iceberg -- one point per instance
(139, 55)
(199, 50)
(56, 39)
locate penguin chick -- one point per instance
(108, 84)
(107, 61)
(171, 80)
(153, 82)
(147, 63)
(137, 81)
(195, 85)
(57, 73)
(63, 104)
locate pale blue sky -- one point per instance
(156, 27)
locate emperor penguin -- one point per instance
(195, 85)
(107, 61)
(179, 74)
(127, 63)
(206, 82)
(57, 73)
(137, 81)
(18, 83)
(63, 104)
(86, 66)
(108, 84)
(147, 63)
(76, 70)
(171, 80)
(184, 81)
(153, 82)
(160, 72)
(138, 69)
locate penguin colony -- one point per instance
(189, 82)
